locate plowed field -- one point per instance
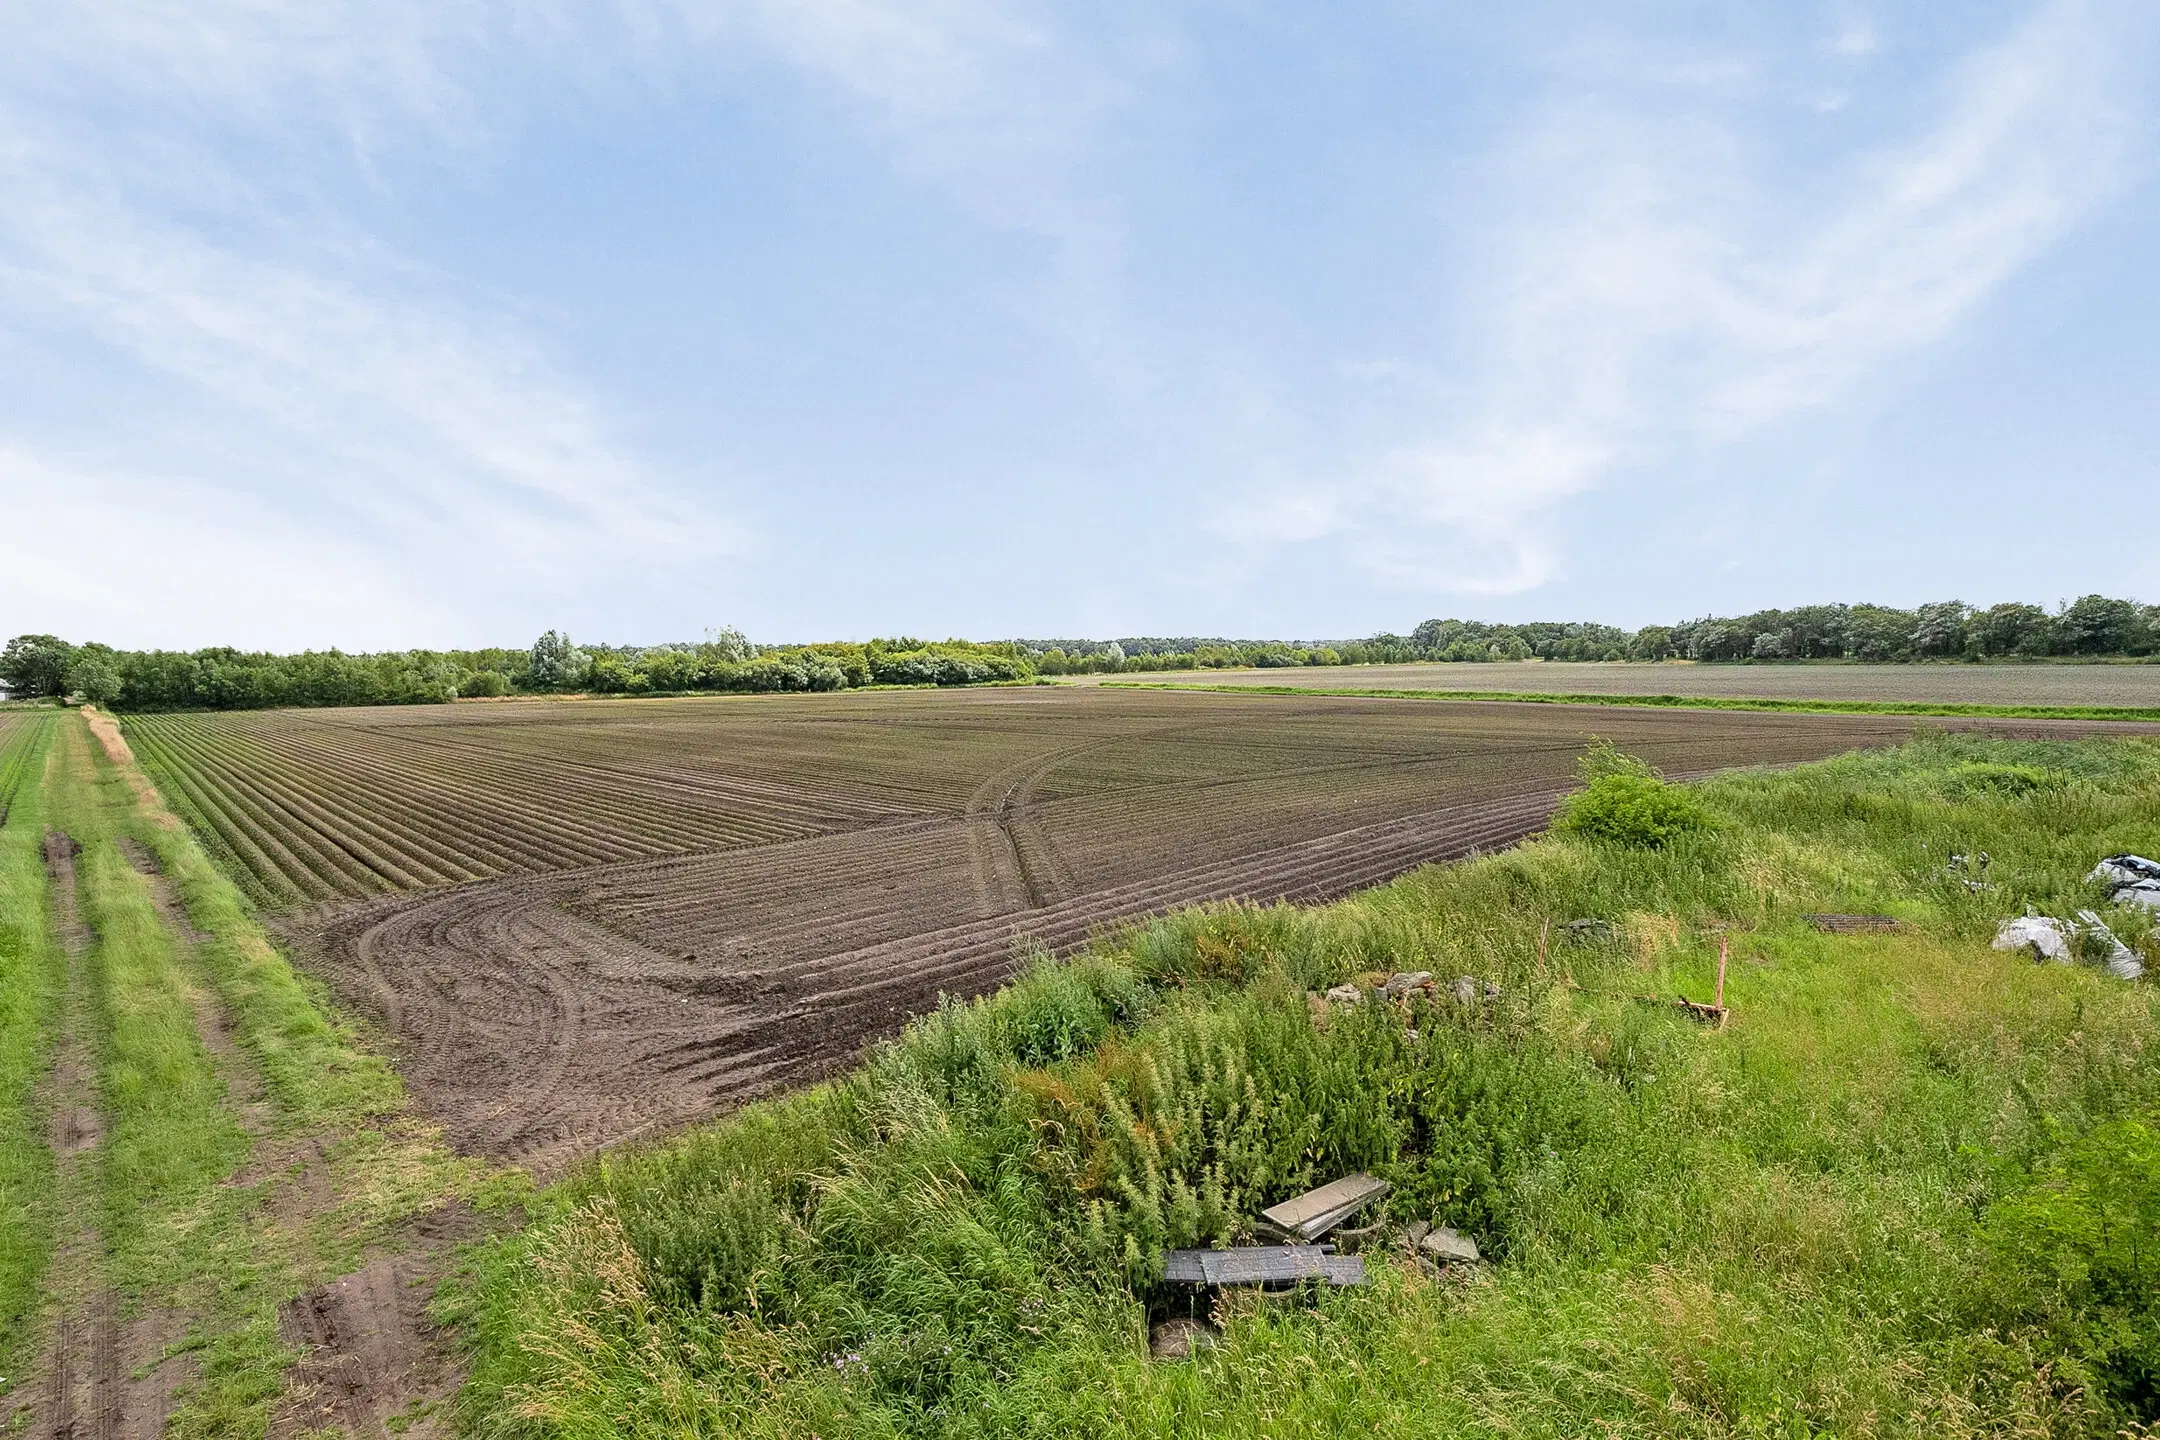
(583, 920)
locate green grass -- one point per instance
(32, 973)
(220, 1215)
(1688, 702)
(1890, 1198)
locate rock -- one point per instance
(1177, 1338)
(1345, 995)
(1402, 982)
(1469, 990)
(1588, 928)
(1449, 1247)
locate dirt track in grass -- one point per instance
(586, 921)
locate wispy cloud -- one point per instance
(1653, 293)
(316, 393)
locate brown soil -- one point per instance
(374, 1357)
(837, 864)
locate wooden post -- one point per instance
(1721, 948)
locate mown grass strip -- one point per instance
(340, 1166)
(170, 1137)
(32, 975)
(1682, 702)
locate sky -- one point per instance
(440, 323)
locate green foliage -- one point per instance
(2077, 1257)
(1624, 801)
(36, 666)
(1974, 779)
(1907, 1193)
(32, 974)
(556, 664)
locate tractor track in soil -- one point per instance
(537, 1034)
(542, 1014)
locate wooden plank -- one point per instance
(1313, 1214)
(1263, 1265)
(1845, 924)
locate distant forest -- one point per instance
(42, 666)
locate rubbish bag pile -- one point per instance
(2131, 880)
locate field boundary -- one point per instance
(1952, 709)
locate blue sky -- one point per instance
(397, 323)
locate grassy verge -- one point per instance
(1909, 1189)
(214, 1211)
(32, 972)
(1687, 702)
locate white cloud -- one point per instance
(344, 409)
(1654, 293)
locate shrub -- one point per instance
(1976, 779)
(1625, 801)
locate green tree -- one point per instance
(556, 664)
(35, 666)
(96, 679)
(1941, 630)
(2096, 625)
(2007, 629)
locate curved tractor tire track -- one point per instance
(678, 954)
(537, 1035)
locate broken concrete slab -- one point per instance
(1265, 1266)
(1313, 1214)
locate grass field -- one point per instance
(2134, 687)
(32, 975)
(1909, 1189)
(585, 920)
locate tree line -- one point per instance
(40, 666)
(221, 678)
(2093, 627)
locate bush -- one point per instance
(1975, 779)
(1624, 801)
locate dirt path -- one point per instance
(375, 1364)
(213, 1023)
(105, 1375)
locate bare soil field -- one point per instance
(583, 921)
(1924, 684)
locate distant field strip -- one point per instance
(585, 920)
(1917, 709)
(2111, 687)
